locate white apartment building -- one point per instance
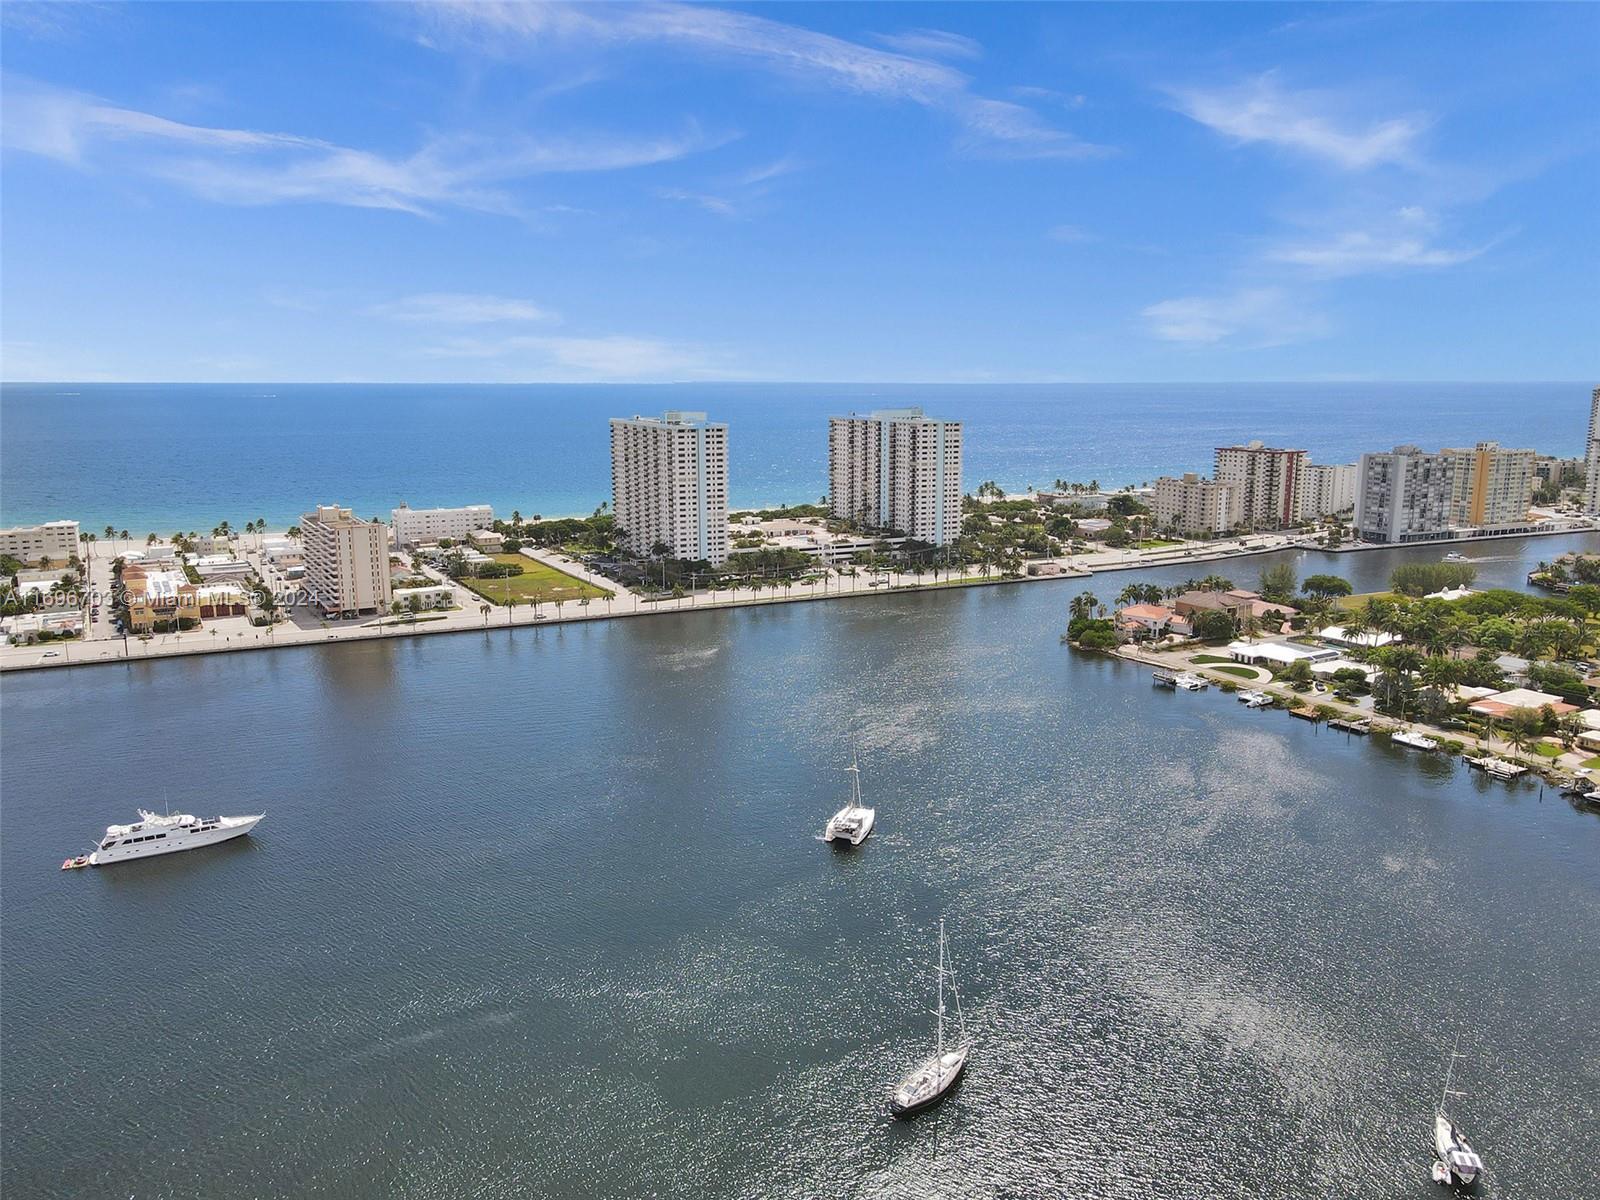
(1270, 482)
(897, 469)
(1591, 459)
(1197, 506)
(669, 485)
(29, 543)
(1328, 489)
(1407, 495)
(413, 526)
(346, 561)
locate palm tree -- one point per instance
(1083, 605)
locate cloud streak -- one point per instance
(1253, 318)
(252, 167)
(996, 127)
(612, 358)
(462, 308)
(1261, 111)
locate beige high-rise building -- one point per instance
(1327, 489)
(1196, 506)
(1495, 488)
(346, 561)
(669, 485)
(55, 540)
(897, 469)
(1591, 459)
(1407, 495)
(1270, 482)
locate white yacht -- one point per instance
(1458, 1161)
(1456, 556)
(1253, 699)
(156, 833)
(852, 823)
(1413, 739)
(928, 1082)
(1190, 682)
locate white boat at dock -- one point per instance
(157, 833)
(1497, 767)
(1253, 699)
(1417, 741)
(930, 1080)
(1162, 677)
(853, 823)
(1190, 682)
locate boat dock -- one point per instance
(1498, 767)
(1164, 678)
(1350, 726)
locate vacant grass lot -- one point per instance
(538, 584)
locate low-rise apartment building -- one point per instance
(413, 526)
(55, 540)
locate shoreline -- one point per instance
(31, 657)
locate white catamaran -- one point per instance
(1458, 1161)
(928, 1082)
(852, 823)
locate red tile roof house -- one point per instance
(1238, 604)
(1503, 704)
(1151, 620)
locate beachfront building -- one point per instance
(346, 561)
(1328, 489)
(413, 526)
(897, 469)
(1591, 459)
(159, 598)
(1407, 495)
(1270, 482)
(55, 540)
(1196, 507)
(669, 485)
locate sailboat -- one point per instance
(928, 1082)
(1458, 1161)
(852, 823)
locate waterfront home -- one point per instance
(1502, 704)
(1151, 620)
(1276, 655)
(1238, 604)
(1328, 667)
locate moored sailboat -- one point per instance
(930, 1080)
(853, 823)
(1458, 1163)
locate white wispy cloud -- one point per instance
(719, 205)
(1307, 122)
(931, 43)
(1358, 252)
(1252, 317)
(993, 126)
(245, 166)
(462, 308)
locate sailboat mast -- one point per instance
(939, 988)
(1450, 1071)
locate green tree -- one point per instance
(1277, 583)
(1325, 585)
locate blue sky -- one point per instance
(478, 192)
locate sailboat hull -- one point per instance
(929, 1083)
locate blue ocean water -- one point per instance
(163, 456)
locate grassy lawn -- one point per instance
(1360, 598)
(1592, 763)
(1547, 750)
(1242, 672)
(1210, 658)
(1156, 543)
(538, 584)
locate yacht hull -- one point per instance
(842, 832)
(175, 842)
(1461, 1163)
